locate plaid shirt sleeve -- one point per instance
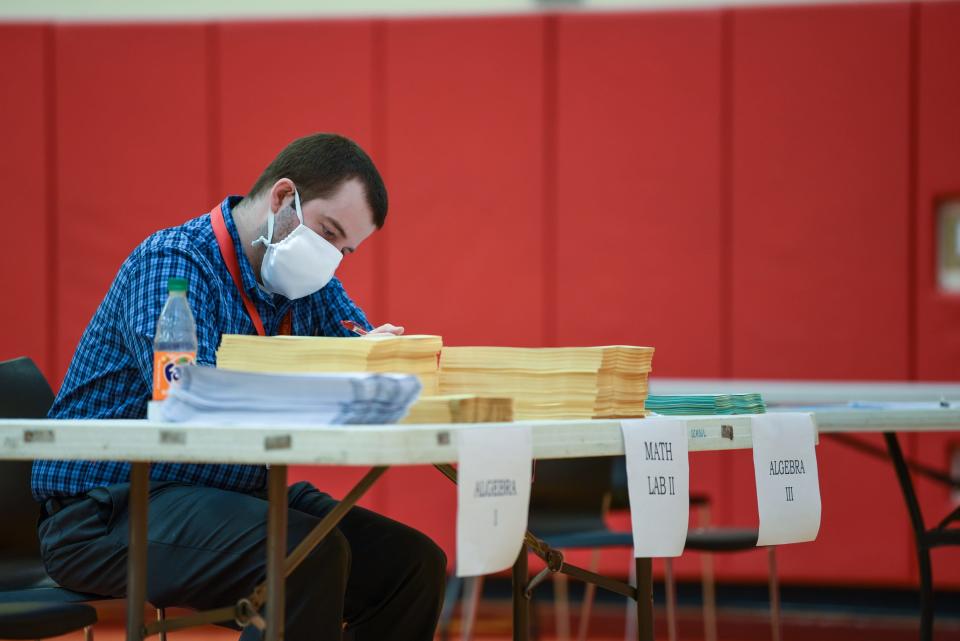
(334, 305)
(145, 293)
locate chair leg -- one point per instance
(450, 598)
(708, 583)
(161, 616)
(630, 629)
(561, 606)
(472, 588)
(589, 593)
(88, 633)
(670, 586)
(775, 630)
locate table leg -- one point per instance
(276, 550)
(645, 599)
(137, 550)
(919, 534)
(521, 605)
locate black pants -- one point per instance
(207, 548)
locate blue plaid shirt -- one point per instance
(111, 374)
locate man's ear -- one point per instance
(281, 191)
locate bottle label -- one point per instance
(166, 369)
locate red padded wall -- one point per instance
(278, 81)
(820, 118)
(638, 238)
(464, 149)
(131, 118)
(24, 180)
(937, 314)
(819, 192)
(637, 197)
(938, 175)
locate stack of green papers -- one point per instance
(692, 404)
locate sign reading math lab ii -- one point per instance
(660, 451)
(658, 479)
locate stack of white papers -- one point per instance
(210, 395)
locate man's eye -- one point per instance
(327, 233)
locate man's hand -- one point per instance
(387, 328)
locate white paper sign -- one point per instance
(788, 486)
(493, 497)
(658, 479)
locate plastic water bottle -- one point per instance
(175, 344)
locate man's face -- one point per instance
(344, 219)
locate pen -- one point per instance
(353, 327)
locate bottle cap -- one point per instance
(177, 284)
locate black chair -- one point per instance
(26, 592)
(25, 393)
(570, 517)
(45, 620)
(569, 500)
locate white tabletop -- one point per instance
(131, 440)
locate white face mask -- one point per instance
(300, 264)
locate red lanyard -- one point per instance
(229, 254)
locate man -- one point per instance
(316, 202)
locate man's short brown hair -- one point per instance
(319, 164)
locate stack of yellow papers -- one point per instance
(415, 354)
(460, 408)
(554, 382)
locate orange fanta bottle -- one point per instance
(175, 343)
